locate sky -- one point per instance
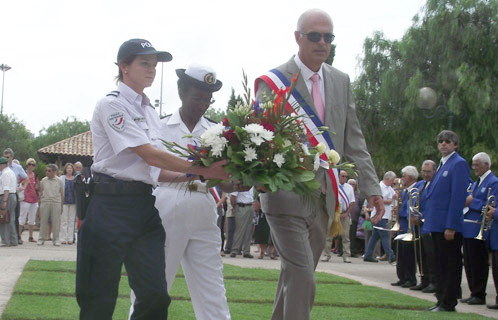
(62, 53)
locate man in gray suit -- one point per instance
(299, 230)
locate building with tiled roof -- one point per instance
(76, 148)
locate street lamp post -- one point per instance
(4, 68)
(427, 101)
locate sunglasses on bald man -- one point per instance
(317, 36)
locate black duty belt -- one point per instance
(244, 204)
(107, 185)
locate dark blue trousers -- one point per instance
(121, 230)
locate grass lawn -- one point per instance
(45, 290)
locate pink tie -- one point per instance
(317, 97)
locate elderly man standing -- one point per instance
(22, 178)
(444, 219)
(298, 230)
(405, 268)
(382, 234)
(8, 187)
(475, 253)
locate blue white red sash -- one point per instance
(276, 80)
(215, 194)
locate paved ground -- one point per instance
(13, 259)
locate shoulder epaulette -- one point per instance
(210, 120)
(168, 115)
(114, 93)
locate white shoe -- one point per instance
(57, 243)
(40, 242)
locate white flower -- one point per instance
(250, 154)
(305, 149)
(334, 157)
(212, 134)
(258, 134)
(316, 163)
(320, 148)
(279, 159)
(218, 146)
(287, 143)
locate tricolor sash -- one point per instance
(215, 194)
(276, 80)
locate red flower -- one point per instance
(225, 122)
(203, 152)
(231, 137)
(294, 79)
(268, 126)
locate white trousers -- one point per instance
(193, 239)
(67, 222)
(28, 210)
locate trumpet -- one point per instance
(485, 224)
(395, 209)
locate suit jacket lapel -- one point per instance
(440, 172)
(330, 92)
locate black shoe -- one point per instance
(233, 255)
(429, 289)
(476, 301)
(397, 284)
(370, 260)
(392, 260)
(354, 255)
(419, 286)
(248, 255)
(492, 306)
(227, 251)
(408, 284)
(340, 254)
(466, 299)
(443, 309)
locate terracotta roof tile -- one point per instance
(78, 145)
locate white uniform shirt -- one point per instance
(349, 191)
(120, 123)
(174, 130)
(387, 194)
(245, 197)
(8, 181)
(307, 73)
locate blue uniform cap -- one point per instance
(134, 47)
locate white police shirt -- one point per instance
(174, 130)
(122, 120)
(8, 181)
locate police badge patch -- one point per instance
(117, 121)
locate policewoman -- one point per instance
(122, 225)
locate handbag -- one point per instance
(4, 216)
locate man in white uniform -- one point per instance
(189, 217)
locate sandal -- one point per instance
(31, 239)
(273, 257)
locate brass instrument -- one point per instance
(412, 210)
(485, 225)
(395, 209)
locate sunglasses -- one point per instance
(317, 36)
(31, 165)
(445, 140)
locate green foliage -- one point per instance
(451, 48)
(59, 131)
(15, 135)
(215, 114)
(234, 100)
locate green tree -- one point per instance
(14, 135)
(215, 114)
(452, 48)
(59, 131)
(232, 102)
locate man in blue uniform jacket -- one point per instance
(445, 202)
(475, 252)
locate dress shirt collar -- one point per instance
(306, 72)
(134, 98)
(176, 119)
(444, 159)
(485, 174)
